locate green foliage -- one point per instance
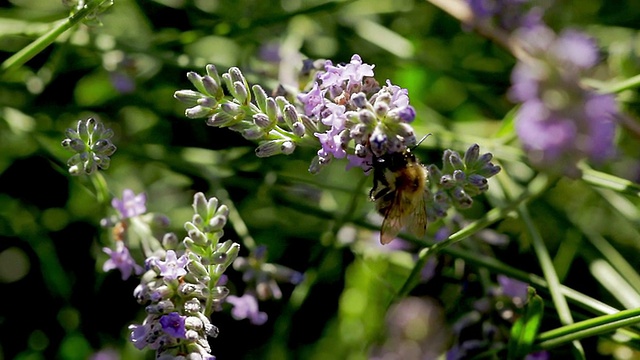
(573, 241)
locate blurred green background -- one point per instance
(57, 302)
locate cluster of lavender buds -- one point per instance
(92, 146)
(508, 15)
(262, 280)
(459, 180)
(345, 111)
(181, 291)
(182, 283)
(561, 122)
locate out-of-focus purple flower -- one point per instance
(560, 122)
(131, 204)
(515, 289)
(538, 355)
(121, 259)
(263, 277)
(172, 267)
(508, 15)
(415, 329)
(246, 307)
(173, 325)
(105, 354)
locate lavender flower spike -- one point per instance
(561, 122)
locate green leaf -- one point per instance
(525, 329)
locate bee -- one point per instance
(399, 191)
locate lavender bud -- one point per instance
(72, 134)
(207, 102)
(447, 181)
(232, 108)
(252, 133)
(456, 161)
(461, 198)
(310, 127)
(76, 145)
(290, 115)
(459, 176)
(366, 117)
(489, 170)
(210, 85)
(288, 147)
(188, 97)
(478, 181)
(219, 293)
(471, 155)
(359, 100)
(241, 93)
(298, 129)
(198, 269)
(272, 109)
(260, 96)
(407, 114)
(162, 307)
(217, 222)
(262, 120)
(197, 111)
(485, 158)
(213, 72)
(170, 241)
(381, 109)
(202, 207)
(269, 148)
(196, 80)
(221, 119)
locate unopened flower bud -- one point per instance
(210, 85)
(288, 147)
(197, 111)
(188, 97)
(262, 120)
(471, 155)
(260, 96)
(298, 129)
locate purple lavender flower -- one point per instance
(246, 307)
(561, 122)
(360, 118)
(121, 259)
(172, 267)
(131, 205)
(173, 325)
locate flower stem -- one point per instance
(536, 187)
(18, 59)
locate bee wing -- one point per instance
(418, 217)
(394, 219)
(402, 212)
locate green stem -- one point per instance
(623, 85)
(536, 187)
(586, 328)
(18, 59)
(608, 181)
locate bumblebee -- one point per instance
(399, 191)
